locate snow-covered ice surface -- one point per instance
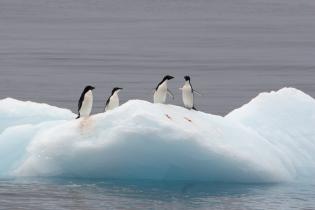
(270, 139)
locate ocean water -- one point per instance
(50, 194)
(232, 49)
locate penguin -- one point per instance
(161, 91)
(113, 101)
(85, 102)
(188, 94)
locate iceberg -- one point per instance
(14, 112)
(270, 139)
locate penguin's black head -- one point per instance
(167, 77)
(89, 87)
(187, 78)
(116, 89)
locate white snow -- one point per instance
(271, 139)
(14, 112)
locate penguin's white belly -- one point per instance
(188, 97)
(160, 94)
(113, 102)
(87, 104)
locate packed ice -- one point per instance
(270, 139)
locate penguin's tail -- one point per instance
(194, 108)
(78, 117)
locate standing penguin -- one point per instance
(161, 91)
(113, 101)
(188, 94)
(85, 102)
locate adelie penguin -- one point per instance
(161, 91)
(113, 101)
(85, 102)
(188, 94)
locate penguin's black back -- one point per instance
(165, 78)
(113, 91)
(107, 102)
(159, 84)
(81, 100)
(86, 89)
(192, 90)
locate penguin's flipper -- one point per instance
(197, 92)
(194, 108)
(78, 117)
(170, 93)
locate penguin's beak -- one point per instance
(92, 88)
(171, 77)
